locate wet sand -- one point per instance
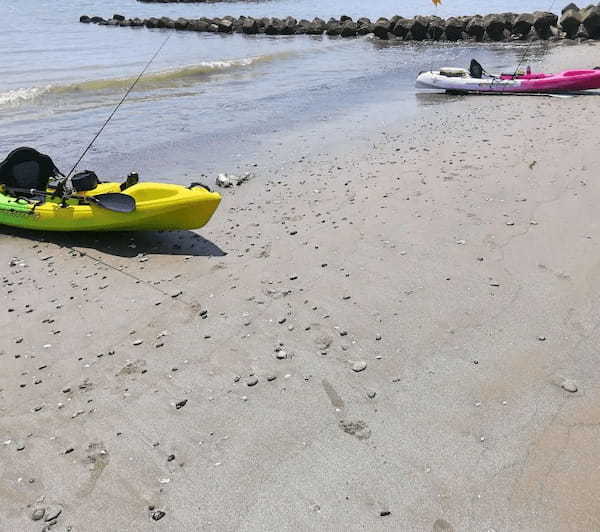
(384, 338)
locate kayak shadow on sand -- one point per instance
(441, 98)
(125, 244)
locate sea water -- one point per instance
(210, 102)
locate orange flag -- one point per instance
(437, 2)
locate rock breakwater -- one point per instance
(573, 23)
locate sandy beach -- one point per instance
(397, 332)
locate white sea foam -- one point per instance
(17, 96)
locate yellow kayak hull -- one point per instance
(158, 207)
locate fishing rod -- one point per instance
(529, 46)
(118, 105)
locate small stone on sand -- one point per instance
(361, 365)
(569, 385)
(38, 513)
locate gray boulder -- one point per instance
(419, 27)
(166, 22)
(454, 28)
(365, 28)
(225, 25)
(591, 22)
(289, 26)
(349, 29)
(509, 20)
(333, 27)
(570, 21)
(401, 27)
(181, 24)
(568, 7)
(250, 26)
(273, 26)
(198, 25)
(436, 29)
(494, 27)
(317, 27)
(476, 28)
(382, 28)
(542, 22)
(523, 24)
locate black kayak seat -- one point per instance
(27, 168)
(475, 69)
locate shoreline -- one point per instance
(377, 338)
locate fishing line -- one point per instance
(529, 46)
(119, 105)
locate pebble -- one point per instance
(223, 181)
(371, 395)
(138, 342)
(361, 365)
(20, 445)
(37, 514)
(181, 404)
(158, 515)
(569, 385)
(252, 381)
(271, 378)
(542, 338)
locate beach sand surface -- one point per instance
(384, 335)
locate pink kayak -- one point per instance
(569, 80)
(459, 80)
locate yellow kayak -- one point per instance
(158, 207)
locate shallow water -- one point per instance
(208, 102)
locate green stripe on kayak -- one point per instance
(9, 205)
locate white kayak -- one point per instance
(459, 80)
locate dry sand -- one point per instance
(211, 375)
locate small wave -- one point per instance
(18, 96)
(157, 79)
(162, 78)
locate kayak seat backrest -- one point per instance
(475, 69)
(27, 168)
